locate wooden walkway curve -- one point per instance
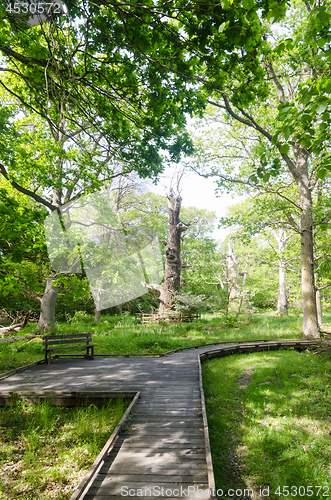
(163, 449)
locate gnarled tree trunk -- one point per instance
(46, 321)
(172, 270)
(171, 285)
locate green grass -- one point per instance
(269, 420)
(262, 434)
(123, 335)
(46, 450)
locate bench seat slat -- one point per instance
(69, 341)
(71, 347)
(69, 336)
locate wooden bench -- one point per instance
(57, 341)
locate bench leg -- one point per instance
(88, 355)
(49, 362)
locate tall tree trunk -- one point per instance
(282, 298)
(233, 273)
(46, 321)
(243, 291)
(310, 322)
(172, 271)
(97, 316)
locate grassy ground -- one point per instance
(123, 335)
(269, 419)
(46, 450)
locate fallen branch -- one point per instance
(7, 330)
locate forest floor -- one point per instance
(122, 334)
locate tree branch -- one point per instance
(272, 75)
(37, 296)
(23, 190)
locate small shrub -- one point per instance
(187, 303)
(78, 317)
(230, 320)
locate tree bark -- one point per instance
(242, 296)
(282, 298)
(172, 271)
(46, 321)
(233, 273)
(310, 321)
(97, 315)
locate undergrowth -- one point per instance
(46, 450)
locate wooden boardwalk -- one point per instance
(163, 445)
(163, 449)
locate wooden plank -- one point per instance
(69, 341)
(70, 347)
(145, 482)
(146, 439)
(164, 469)
(136, 456)
(116, 489)
(164, 427)
(70, 335)
(159, 448)
(169, 407)
(164, 413)
(188, 422)
(164, 478)
(103, 495)
(155, 431)
(172, 400)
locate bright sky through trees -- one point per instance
(199, 192)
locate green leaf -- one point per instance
(289, 43)
(322, 41)
(221, 27)
(285, 149)
(260, 172)
(274, 139)
(321, 107)
(248, 4)
(287, 132)
(280, 48)
(321, 173)
(266, 177)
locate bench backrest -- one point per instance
(66, 339)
